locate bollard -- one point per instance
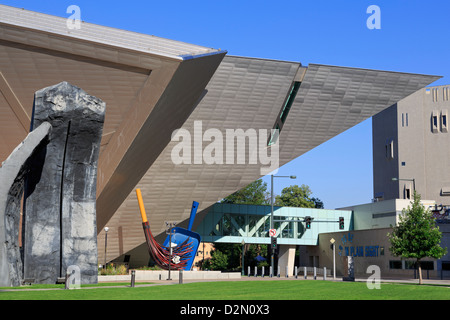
(324, 273)
(305, 273)
(256, 271)
(248, 271)
(270, 272)
(315, 273)
(278, 272)
(180, 277)
(133, 278)
(287, 272)
(295, 272)
(262, 272)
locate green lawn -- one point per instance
(243, 290)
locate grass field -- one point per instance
(242, 290)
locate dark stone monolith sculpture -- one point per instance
(12, 174)
(59, 203)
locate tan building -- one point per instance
(369, 244)
(410, 144)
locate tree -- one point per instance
(219, 260)
(295, 196)
(255, 193)
(416, 235)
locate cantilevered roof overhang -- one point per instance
(251, 93)
(150, 86)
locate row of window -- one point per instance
(410, 264)
(435, 94)
(439, 120)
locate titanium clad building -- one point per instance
(154, 86)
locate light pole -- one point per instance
(106, 243)
(333, 243)
(169, 231)
(413, 181)
(243, 246)
(272, 257)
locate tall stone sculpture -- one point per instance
(12, 173)
(59, 203)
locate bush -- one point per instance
(114, 270)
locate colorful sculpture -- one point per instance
(184, 242)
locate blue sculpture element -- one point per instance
(181, 235)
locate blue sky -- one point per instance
(414, 37)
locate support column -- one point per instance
(286, 257)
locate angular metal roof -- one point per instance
(332, 99)
(100, 34)
(249, 93)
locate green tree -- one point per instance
(416, 235)
(219, 260)
(295, 196)
(255, 193)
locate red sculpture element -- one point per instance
(161, 254)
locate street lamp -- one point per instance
(413, 181)
(169, 231)
(333, 244)
(271, 213)
(243, 246)
(106, 243)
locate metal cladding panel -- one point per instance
(147, 135)
(243, 93)
(100, 34)
(333, 99)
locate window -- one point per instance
(444, 121)
(279, 122)
(434, 94)
(289, 101)
(446, 265)
(404, 119)
(395, 264)
(274, 136)
(403, 163)
(407, 193)
(389, 149)
(446, 92)
(434, 122)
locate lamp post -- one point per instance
(169, 231)
(106, 243)
(243, 246)
(271, 212)
(333, 243)
(413, 181)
